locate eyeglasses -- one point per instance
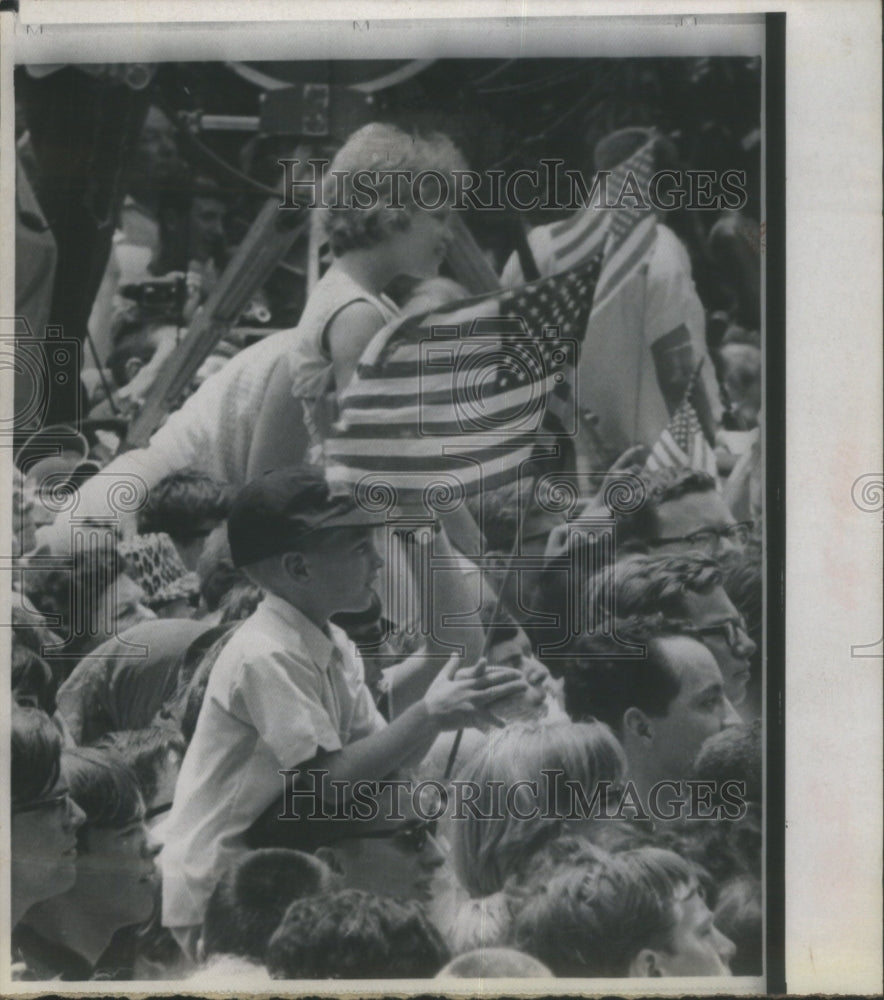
(47, 802)
(710, 538)
(155, 811)
(414, 835)
(734, 633)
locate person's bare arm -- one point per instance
(280, 437)
(456, 698)
(452, 595)
(348, 335)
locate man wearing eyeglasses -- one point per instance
(689, 515)
(687, 587)
(682, 512)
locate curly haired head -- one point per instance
(355, 935)
(364, 204)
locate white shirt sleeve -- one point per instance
(281, 697)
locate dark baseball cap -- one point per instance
(281, 509)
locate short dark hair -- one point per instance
(145, 751)
(252, 896)
(182, 502)
(647, 585)
(592, 920)
(33, 681)
(636, 529)
(104, 787)
(602, 681)
(734, 754)
(35, 745)
(355, 935)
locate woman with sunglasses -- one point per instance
(67, 937)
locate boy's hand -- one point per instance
(461, 696)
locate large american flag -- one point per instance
(623, 234)
(683, 442)
(465, 393)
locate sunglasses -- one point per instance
(414, 835)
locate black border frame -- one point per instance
(773, 248)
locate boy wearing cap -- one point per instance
(288, 688)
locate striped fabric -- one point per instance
(625, 234)
(461, 396)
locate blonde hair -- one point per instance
(349, 224)
(486, 852)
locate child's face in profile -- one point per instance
(344, 568)
(421, 248)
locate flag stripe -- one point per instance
(440, 392)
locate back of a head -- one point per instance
(354, 935)
(734, 754)
(592, 920)
(495, 963)
(379, 147)
(35, 751)
(182, 503)
(487, 852)
(252, 896)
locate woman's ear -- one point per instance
(646, 965)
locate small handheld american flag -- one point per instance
(683, 443)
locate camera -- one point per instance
(497, 378)
(46, 370)
(158, 298)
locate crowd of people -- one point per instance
(231, 760)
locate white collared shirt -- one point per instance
(280, 689)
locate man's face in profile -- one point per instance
(699, 710)
(693, 523)
(723, 632)
(696, 947)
